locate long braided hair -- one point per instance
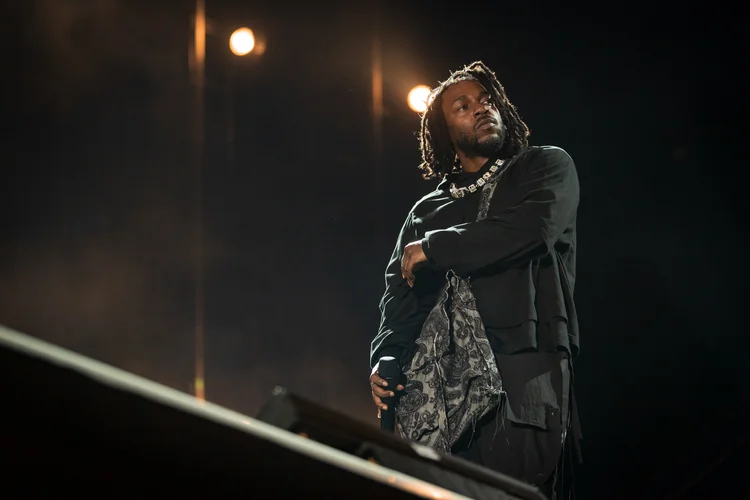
(438, 155)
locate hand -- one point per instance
(413, 255)
(378, 385)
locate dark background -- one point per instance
(301, 211)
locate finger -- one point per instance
(406, 274)
(408, 269)
(379, 402)
(376, 384)
(406, 264)
(381, 393)
(376, 381)
(410, 277)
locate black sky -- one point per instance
(98, 202)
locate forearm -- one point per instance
(400, 320)
(399, 308)
(472, 246)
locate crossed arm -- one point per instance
(528, 230)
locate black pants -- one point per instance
(526, 452)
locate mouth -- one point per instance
(484, 123)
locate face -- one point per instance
(474, 123)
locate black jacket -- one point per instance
(520, 260)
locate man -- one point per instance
(519, 261)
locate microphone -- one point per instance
(389, 370)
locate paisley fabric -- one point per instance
(452, 380)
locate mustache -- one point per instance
(484, 121)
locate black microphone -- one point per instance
(389, 370)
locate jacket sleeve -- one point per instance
(547, 204)
(399, 307)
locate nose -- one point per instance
(481, 109)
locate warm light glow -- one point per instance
(242, 41)
(200, 389)
(418, 98)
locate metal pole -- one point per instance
(198, 67)
(377, 126)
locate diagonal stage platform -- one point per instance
(73, 425)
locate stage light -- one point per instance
(417, 98)
(242, 41)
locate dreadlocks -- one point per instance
(438, 155)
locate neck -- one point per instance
(471, 164)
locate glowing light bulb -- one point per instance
(242, 41)
(417, 98)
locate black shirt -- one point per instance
(520, 260)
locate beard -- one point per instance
(489, 146)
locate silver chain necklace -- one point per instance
(460, 192)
